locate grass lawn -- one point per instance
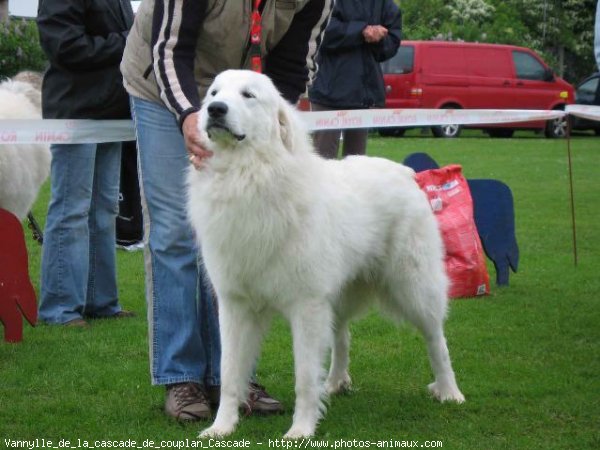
(527, 357)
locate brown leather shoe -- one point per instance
(79, 323)
(260, 402)
(187, 402)
(123, 314)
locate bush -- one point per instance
(20, 48)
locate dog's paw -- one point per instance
(215, 432)
(339, 385)
(446, 393)
(297, 432)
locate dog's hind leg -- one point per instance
(354, 302)
(416, 278)
(424, 306)
(311, 331)
(241, 335)
(339, 379)
(444, 388)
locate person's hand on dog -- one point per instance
(193, 141)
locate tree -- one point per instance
(560, 30)
(470, 11)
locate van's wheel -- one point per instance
(557, 128)
(447, 131)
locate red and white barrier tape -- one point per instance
(91, 131)
(55, 131)
(380, 118)
(584, 111)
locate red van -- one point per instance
(441, 74)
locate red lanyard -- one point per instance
(255, 36)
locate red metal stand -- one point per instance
(17, 296)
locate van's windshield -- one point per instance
(402, 62)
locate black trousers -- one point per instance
(130, 225)
(327, 142)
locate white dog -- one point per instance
(285, 231)
(23, 167)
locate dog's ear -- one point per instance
(285, 116)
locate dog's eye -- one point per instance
(213, 92)
(248, 94)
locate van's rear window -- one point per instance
(402, 62)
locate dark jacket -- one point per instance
(84, 42)
(349, 75)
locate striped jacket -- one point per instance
(177, 47)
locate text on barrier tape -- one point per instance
(380, 118)
(97, 131)
(56, 131)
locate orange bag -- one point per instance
(451, 201)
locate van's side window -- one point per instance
(402, 62)
(527, 67)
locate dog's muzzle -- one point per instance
(217, 111)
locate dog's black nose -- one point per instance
(217, 109)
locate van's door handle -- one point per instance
(506, 83)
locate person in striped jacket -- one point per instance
(173, 52)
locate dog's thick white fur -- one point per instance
(23, 167)
(285, 231)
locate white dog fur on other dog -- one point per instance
(23, 167)
(318, 241)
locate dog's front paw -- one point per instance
(446, 393)
(339, 385)
(297, 432)
(216, 432)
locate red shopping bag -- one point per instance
(451, 202)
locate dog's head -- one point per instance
(243, 107)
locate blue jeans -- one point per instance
(78, 256)
(182, 316)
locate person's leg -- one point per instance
(129, 229)
(177, 351)
(355, 142)
(185, 346)
(65, 253)
(209, 329)
(326, 142)
(102, 297)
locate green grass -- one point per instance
(527, 357)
